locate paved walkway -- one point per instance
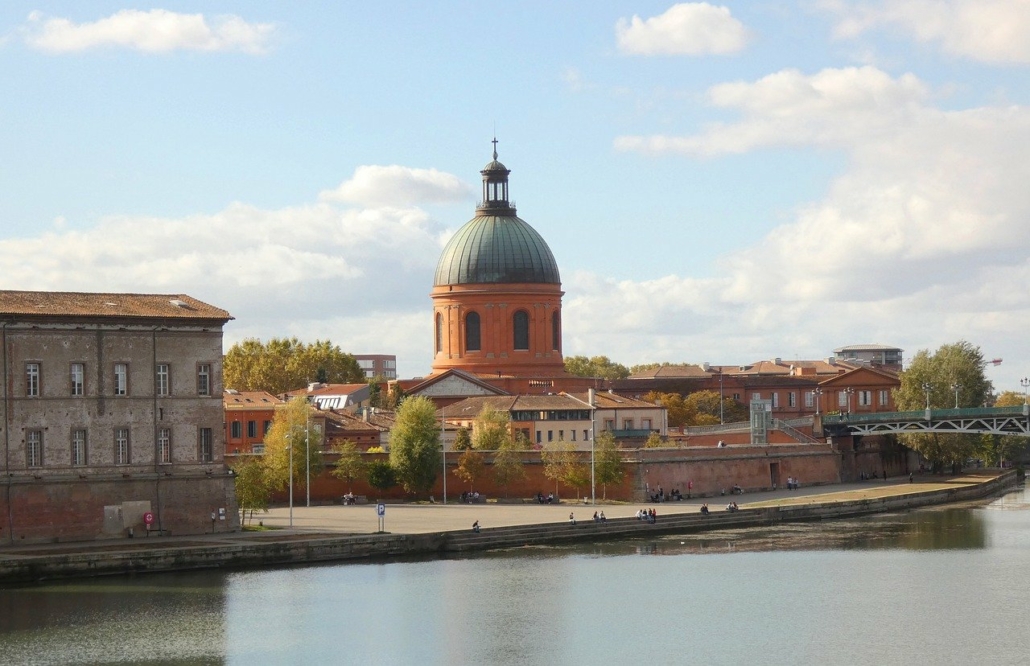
(422, 518)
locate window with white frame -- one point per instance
(163, 385)
(121, 446)
(756, 396)
(34, 448)
(203, 379)
(79, 447)
(645, 424)
(885, 397)
(121, 378)
(205, 445)
(164, 446)
(609, 424)
(32, 372)
(78, 377)
(775, 400)
(842, 399)
(865, 398)
(809, 398)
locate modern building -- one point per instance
(377, 365)
(334, 396)
(880, 355)
(112, 416)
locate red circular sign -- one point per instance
(148, 518)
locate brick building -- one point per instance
(248, 416)
(111, 410)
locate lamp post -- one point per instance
(927, 387)
(443, 450)
(289, 453)
(1025, 383)
(850, 391)
(307, 455)
(818, 393)
(722, 399)
(591, 396)
(955, 387)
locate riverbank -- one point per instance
(324, 534)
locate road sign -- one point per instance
(380, 509)
(148, 518)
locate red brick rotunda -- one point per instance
(497, 293)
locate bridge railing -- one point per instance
(883, 417)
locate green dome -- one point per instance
(496, 249)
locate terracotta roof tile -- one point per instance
(75, 304)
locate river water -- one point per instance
(935, 586)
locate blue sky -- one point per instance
(722, 182)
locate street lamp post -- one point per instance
(289, 453)
(955, 387)
(443, 450)
(722, 399)
(307, 457)
(818, 393)
(593, 438)
(850, 391)
(1025, 383)
(927, 387)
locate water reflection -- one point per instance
(733, 596)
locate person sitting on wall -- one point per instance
(475, 527)
(572, 518)
(704, 509)
(737, 490)
(603, 519)
(348, 498)
(550, 498)
(539, 497)
(597, 518)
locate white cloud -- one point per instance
(154, 31)
(684, 29)
(993, 31)
(921, 240)
(398, 186)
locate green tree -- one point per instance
(935, 376)
(491, 430)
(381, 475)
(252, 491)
(290, 438)
(608, 465)
(560, 463)
(654, 441)
(285, 364)
(415, 445)
(678, 411)
(705, 407)
(462, 439)
(350, 464)
(508, 465)
(994, 449)
(470, 466)
(375, 392)
(597, 366)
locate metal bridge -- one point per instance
(992, 420)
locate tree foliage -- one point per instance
(491, 430)
(252, 491)
(994, 449)
(934, 377)
(608, 465)
(471, 465)
(290, 437)
(415, 445)
(462, 439)
(508, 466)
(698, 408)
(381, 475)
(285, 364)
(654, 441)
(597, 366)
(562, 465)
(349, 465)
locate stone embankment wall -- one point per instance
(299, 549)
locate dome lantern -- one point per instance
(495, 189)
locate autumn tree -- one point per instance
(597, 366)
(608, 465)
(654, 441)
(252, 491)
(678, 411)
(291, 439)
(415, 444)
(491, 430)
(705, 406)
(562, 465)
(349, 464)
(284, 364)
(508, 465)
(471, 465)
(936, 377)
(995, 449)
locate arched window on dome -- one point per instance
(472, 332)
(439, 332)
(555, 331)
(520, 326)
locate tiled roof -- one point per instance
(671, 371)
(250, 400)
(329, 389)
(75, 304)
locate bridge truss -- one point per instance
(995, 421)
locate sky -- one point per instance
(718, 182)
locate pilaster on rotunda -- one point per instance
(497, 293)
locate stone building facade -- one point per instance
(112, 414)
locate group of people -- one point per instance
(792, 483)
(599, 517)
(545, 499)
(732, 506)
(650, 515)
(704, 509)
(660, 496)
(469, 497)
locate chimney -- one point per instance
(705, 366)
(591, 397)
